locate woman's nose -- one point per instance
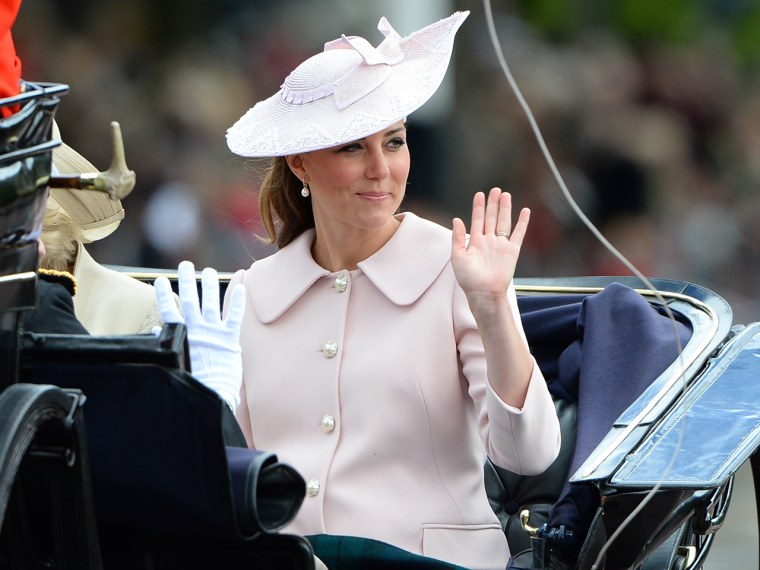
(377, 166)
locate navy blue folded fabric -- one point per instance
(267, 494)
(601, 352)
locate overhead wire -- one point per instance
(605, 242)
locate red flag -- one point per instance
(10, 64)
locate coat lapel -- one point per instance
(402, 270)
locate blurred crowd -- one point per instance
(656, 132)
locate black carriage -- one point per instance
(113, 456)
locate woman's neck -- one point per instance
(336, 249)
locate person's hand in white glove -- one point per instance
(215, 357)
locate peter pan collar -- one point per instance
(402, 270)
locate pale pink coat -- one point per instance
(406, 390)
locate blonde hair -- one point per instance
(285, 214)
(60, 235)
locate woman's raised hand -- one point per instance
(485, 265)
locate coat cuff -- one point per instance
(532, 432)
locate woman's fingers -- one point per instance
(493, 211)
(478, 214)
(504, 217)
(521, 227)
(492, 216)
(458, 236)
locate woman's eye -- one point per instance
(350, 147)
(396, 142)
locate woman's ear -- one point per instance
(295, 163)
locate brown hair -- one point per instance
(284, 212)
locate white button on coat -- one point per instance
(312, 488)
(341, 283)
(330, 349)
(328, 423)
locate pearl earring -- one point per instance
(305, 190)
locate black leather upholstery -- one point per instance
(510, 494)
(46, 504)
(166, 475)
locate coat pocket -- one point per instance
(475, 546)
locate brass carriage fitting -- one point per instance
(524, 518)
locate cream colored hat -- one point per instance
(349, 91)
(93, 211)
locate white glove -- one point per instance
(215, 357)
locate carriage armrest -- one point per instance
(267, 494)
(168, 349)
(722, 402)
(44, 465)
(160, 446)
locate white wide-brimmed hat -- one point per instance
(349, 91)
(93, 211)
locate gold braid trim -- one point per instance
(63, 277)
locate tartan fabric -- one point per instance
(356, 553)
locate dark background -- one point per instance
(651, 110)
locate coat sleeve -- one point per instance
(242, 413)
(55, 311)
(525, 440)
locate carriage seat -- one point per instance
(172, 480)
(598, 352)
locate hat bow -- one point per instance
(380, 58)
